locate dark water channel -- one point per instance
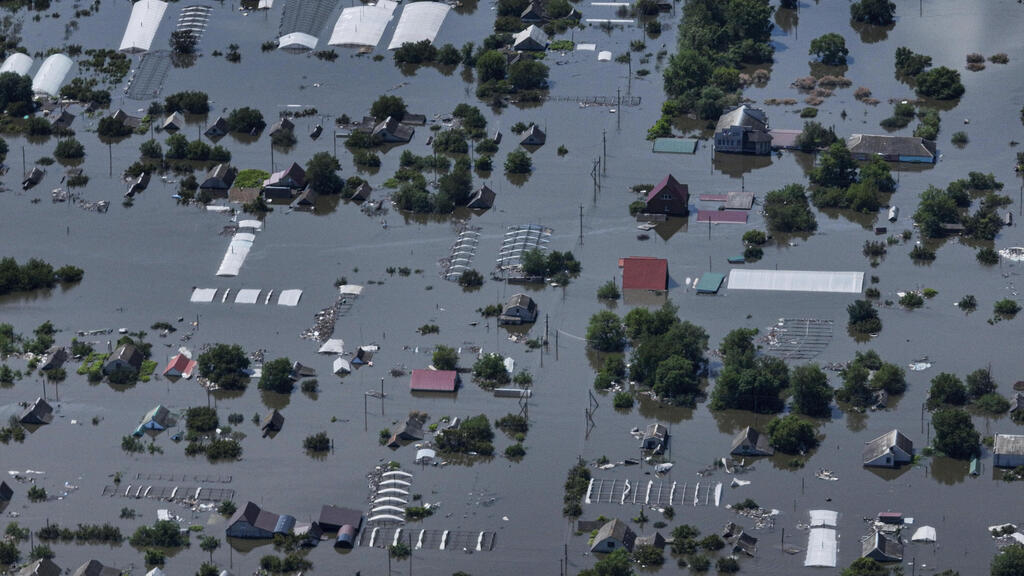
(142, 262)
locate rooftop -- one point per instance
(644, 273)
(433, 380)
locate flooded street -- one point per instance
(142, 262)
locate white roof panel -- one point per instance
(924, 534)
(796, 280)
(203, 295)
(604, 56)
(18, 63)
(419, 21)
(254, 224)
(824, 518)
(333, 346)
(238, 249)
(362, 25)
(821, 548)
(342, 366)
(247, 296)
(350, 290)
(289, 297)
(51, 75)
(296, 41)
(142, 26)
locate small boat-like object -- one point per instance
(317, 131)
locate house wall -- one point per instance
(248, 531)
(673, 207)
(607, 545)
(1008, 460)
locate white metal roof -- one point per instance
(604, 56)
(296, 41)
(821, 548)
(924, 534)
(824, 518)
(18, 63)
(362, 25)
(142, 26)
(237, 250)
(419, 21)
(350, 290)
(342, 366)
(289, 297)
(51, 75)
(203, 295)
(425, 454)
(333, 346)
(247, 296)
(254, 224)
(796, 280)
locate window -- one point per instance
(666, 196)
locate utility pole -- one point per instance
(604, 148)
(581, 224)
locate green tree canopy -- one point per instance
(445, 358)
(528, 74)
(388, 106)
(223, 365)
(830, 49)
(246, 120)
(814, 136)
(322, 174)
(792, 434)
(1009, 561)
(787, 210)
(836, 167)
(490, 66)
(947, 389)
(878, 12)
(616, 563)
(940, 83)
(277, 376)
(955, 435)
(605, 332)
(812, 396)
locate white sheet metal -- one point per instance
(350, 290)
(796, 280)
(289, 297)
(824, 518)
(586, 47)
(142, 26)
(248, 296)
(342, 366)
(253, 224)
(296, 41)
(425, 456)
(362, 25)
(332, 346)
(203, 295)
(238, 249)
(51, 75)
(401, 473)
(822, 546)
(419, 21)
(604, 56)
(18, 63)
(924, 534)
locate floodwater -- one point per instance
(142, 262)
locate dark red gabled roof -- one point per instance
(644, 273)
(671, 185)
(433, 380)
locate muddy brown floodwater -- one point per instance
(142, 262)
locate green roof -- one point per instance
(709, 283)
(676, 145)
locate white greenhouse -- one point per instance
(363, 25)
(51, 75)
(142, 26)
(296, 41)
(419, 21)
(18, 63)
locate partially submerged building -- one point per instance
(892, 148)
(888, 450)
(285, 184)
(55, 357)
(392, 131)
(157, 419)
(434, 381)
(173, 122)
(219, 180)
(272, 423)
(614, 535)
(218, 129)
(533, 136)
(38, 413)
(6, 493)
(743, 130)
(281, 126)
(882, 548)
(750, 442)
(127, 119)
(482, 198)
(669, 197)
(17, 62)
(655, 438)
(644, 273)
(41, 567)
(125, 357)
(532, 38)
(345, 521)
(96, 568)
(1008, 450)
(181, 366)
(253, 523)
(520, 309)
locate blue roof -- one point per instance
(710, 282)
(285, 523)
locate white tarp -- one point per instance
(254, 224)
(51, 75)
(238, 249)
(824, 518)
(604, 56)
(248, 296)
(342, 366)
(296, 41)
(362, 25)
(796, 281)
(419, 21)
(18, 63)
(203, 295)
(924, 534)
(142, 26)
(289, 297)
(821, 548)
(350, 290)
(425, 456)
(333, 346)
(587, 47)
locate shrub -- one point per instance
(471, 278)
(318, 442)
(515, 451)
(755, 237)
(968, 303)
(162, 534)
(809, 112)
(69, 149)
(959, 138)
(987, 256)
(609, 291)
(911, 300)
(623, 400)
(1006, 308)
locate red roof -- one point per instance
(671, 185)
(714, 197)
(433, 380)
(722, 216)
(180, 365)
(644, 273)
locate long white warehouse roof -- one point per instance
(419, 21)
(362, 25)
(51, 75)
(296, 41)
(796, 281)
(142, 25)
(18, 63)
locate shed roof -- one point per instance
(796, 280)
(676, 145)
(483, 198)
(644, 273)
(521, 300)
(419, 21)
(884, 145)
(159, 415)
(272, 421)
(95, 568)
(710, 282)
(882, 548)
(433, 380)
(531, 37)
(753, 118)
(879, 446)
(1009, 444)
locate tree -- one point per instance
(151, 149)
(863, 317)
(676, 378)
(605, 332)
(889, 377)
(940, 83)
(208, 569)
(69, 149)
(814, 136)
(609, 291)
(866, 567)
(528, 74)
(16, 91)
(936, 207)
(955, 435)
(980, 383)
(9, 553)
(1009, 561)
(322, 174)
(787, 210)
(791, 434)
(947, 389)
(876, 173)
(878, 12)
(445, 358)
(191, 101)
(246, 120)
(812, 396)
(224, 365)
(518, 162)
(209, 544)
(388, 107)
(830, 49)
(490, 370)
(184, 41)
(909, 63)
(3, 149)
(110, 127)
(616, 563)
(490, 66)
(855, 390)
(471, 279)
(836, 168)
(277, 376)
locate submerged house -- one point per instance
(1008, 450)
(157, 419)
(218, 129)
(520, 309)
(532, 38)
(61, 121)
(644, 273)
(892, 148)
(42, 567)
(392, 131)
(362, 192)
(219, 180)
(38, 413)
(750, 442)
(412, 431)
(613, 536)
(95, 568)
(180, 366)
(888, 450)
(54, 358)
(655, 438)
(434, 381)
(533, 136)
(669, 197)
(127, 119)
(284, 184)
(306, 200)
(272, 422)
(140, 184)
(253, 523)
(282, 125)
(174, 122)
(35, 176)
(482, 199)
(127, 356)
(882, 548)
(743, 130)
(345, 521)
(5, 492)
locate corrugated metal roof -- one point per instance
(142, 25)
(676, 145)
(710, 282)
(644, 273)
(433, 380)
(879, 145)
(743, 116)
(419, 21)
(796, 280)
(1008, 444)
(362, 25)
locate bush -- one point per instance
(921, 254)
(941, 83)
(911, 300)
(69, 149)
(863, 317)
(609, 291)
(605, 332)
(515, 451)
(1006, 308)
(246, 120)
(192, 102)
(992, 403)
(727, 565)
(277, 376)
(226, 508)
(791, 434)
(809, 112)
(753, 253)
(959, 138)
(471, 279)
(518, 162)
(318, 442)
(623, 400)
(754, 237)
(162, 534)
(446, 358)
(787, 210)
(36, 494)
(490, 370)
(987, 256)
